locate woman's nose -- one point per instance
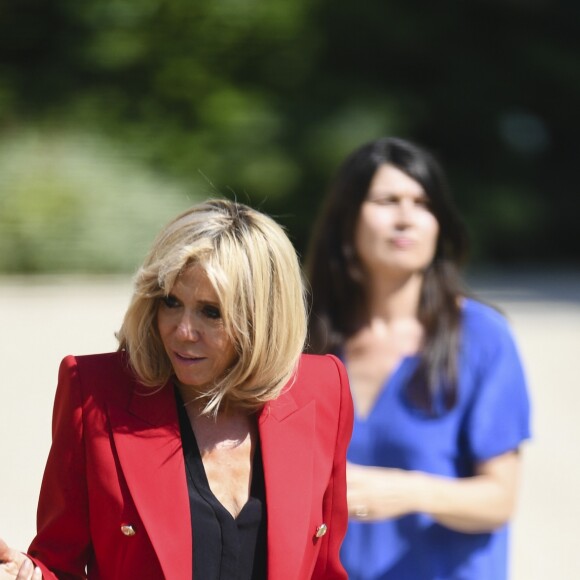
(404, 213)
(187, 328)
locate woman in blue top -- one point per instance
(440, 396)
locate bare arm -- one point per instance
(475, 504)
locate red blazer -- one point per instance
(116, 460)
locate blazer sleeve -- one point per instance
(62, 545)
(335, 510)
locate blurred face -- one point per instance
(396, 231)
(192, 331)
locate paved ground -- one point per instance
(43, 320)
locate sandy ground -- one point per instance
(44, 319)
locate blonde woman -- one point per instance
(207, 447)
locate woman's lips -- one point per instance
(188, 359)
(402, 242)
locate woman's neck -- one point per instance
(190, 395)
(229, 427)
(392, 299)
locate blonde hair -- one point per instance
(255, 272)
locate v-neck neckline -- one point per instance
(386, 389)
(201, 480)
(205, 489)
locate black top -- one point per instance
(224, 547)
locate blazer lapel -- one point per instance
(286, 438)
(148, 442)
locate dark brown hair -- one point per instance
(338, 280)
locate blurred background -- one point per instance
(117, 114)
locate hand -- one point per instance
(14, 564)
(378, 493)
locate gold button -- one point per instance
(128, 530)
(321, 530)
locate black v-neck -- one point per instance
(224, 547)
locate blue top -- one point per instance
(491, 417)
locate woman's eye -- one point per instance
(212, 312)
(170, 301)
(383, 200)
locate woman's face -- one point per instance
(396, 231)
(192, 330)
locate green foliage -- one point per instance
(73, 204)
(263, 99)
